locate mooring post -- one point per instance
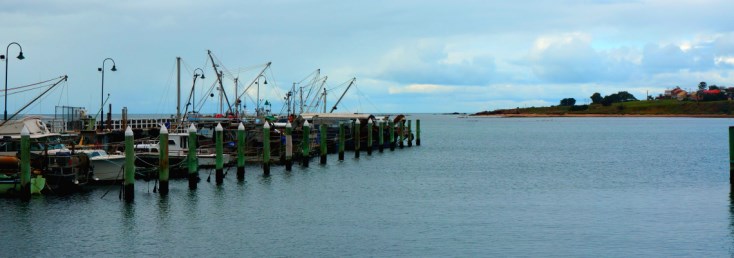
(381, 135)
(288, 146)
(341, 140)
(357, 137)
(369, 137)
(410, 135)
(322, 144)
(401, 126)
(391, 128)
(129, 188)
(219, 156)
(192, 162)
(731, 156)
(241, 136)
(25, 164)
(306, 144)
(266, 148)
(417, 132)
(163, 160)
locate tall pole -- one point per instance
(114, 68)
(20, 57)
(369, 137)
(178, 89)
(357, 137)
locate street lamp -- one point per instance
(193, 93)
(20, 57)
(101, 69)
(257, 108)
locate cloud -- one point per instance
(420, 89)
(434, 63)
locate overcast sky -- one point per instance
(407, 56)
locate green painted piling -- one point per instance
(417, 132)
(322, 143)
(357, 137)
(219, 156)
(731, 156)
(306, 144)
(369, 137)
(163, 166)
(341, 141)
(266, 148)
(288, 146)
(401, 126)
(129, 185)
(241, 136)
(410, 135)
(191, 159)
(391, 128)
(25, 164)
(381, 136)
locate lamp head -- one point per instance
(2, 57)
(266, 81)
(20, 56)
(202, 76)
(99, 69)
(113, 68)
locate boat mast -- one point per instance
(345, 92)
(219, 80)
(178, 89)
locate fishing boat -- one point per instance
(106, 168)
(63, 170)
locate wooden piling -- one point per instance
(401, 126)
(241, 136)
(192, 160)
(266, 148)
(410, 135)
(731, 156)
(25, 164)
(219, 153)
(369, 137)
(417, 132)
(163, 166)
(341, 141)
(357, 137)
(391, 129)
(381, 136)
(306, 143)
(322, 143)
(129, 185)
(288, 146)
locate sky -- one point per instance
(407, 56)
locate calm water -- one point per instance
(589, 187)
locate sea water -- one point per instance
(582, 187)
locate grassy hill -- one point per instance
(650, 107)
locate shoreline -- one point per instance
(606, 115)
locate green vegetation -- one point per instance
(648, 107)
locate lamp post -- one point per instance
(20, 57)
(193, 86)
(114, 68)
(257, 108)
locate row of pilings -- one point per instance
(390, 134)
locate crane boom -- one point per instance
(342, 96)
